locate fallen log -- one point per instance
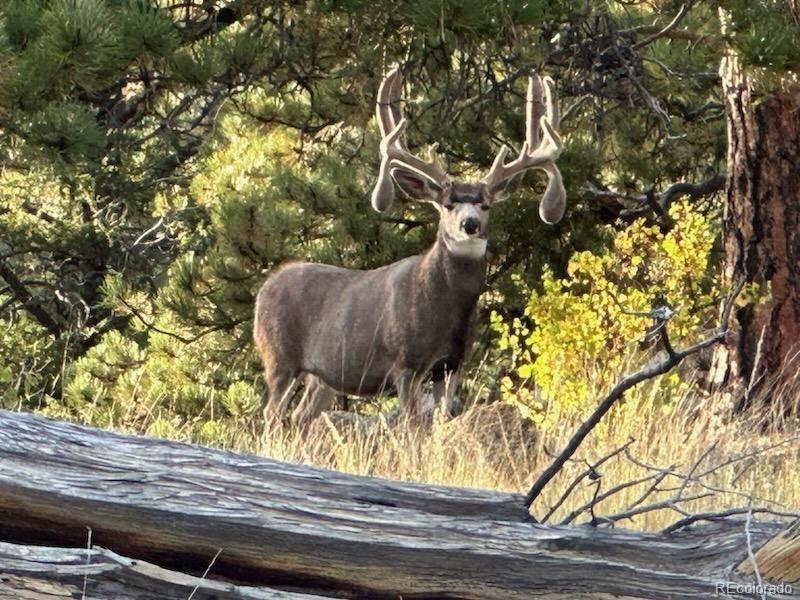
(42, 573)
(314, 531)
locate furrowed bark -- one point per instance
(42, 573)
(762, 237)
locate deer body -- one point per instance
(363, 332)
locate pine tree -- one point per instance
(158, 158)
(762, 215)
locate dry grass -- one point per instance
(733, 462)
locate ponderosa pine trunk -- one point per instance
(762, 239)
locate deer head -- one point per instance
(464, 206)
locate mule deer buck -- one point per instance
(362, 332)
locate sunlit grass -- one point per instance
(494, 447)
(737, 460)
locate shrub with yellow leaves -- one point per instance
(581, 332)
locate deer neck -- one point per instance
(450, 272)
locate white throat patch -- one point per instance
(468, 248)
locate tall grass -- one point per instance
(691, 447)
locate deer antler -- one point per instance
(541, 149)
(393, 148)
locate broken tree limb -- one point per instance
(313, 531)
(43, 573)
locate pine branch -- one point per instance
(28, 301)
(650, 202)
(666, 30)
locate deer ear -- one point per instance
(415, 185)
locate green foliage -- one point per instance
(25, 363)
(68, 133)
(158, 159)
(581, 332)
(765, 33)
(146, 31)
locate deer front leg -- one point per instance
(409, 391)
(444, 392)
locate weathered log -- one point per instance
(42, 573)
(315, 531)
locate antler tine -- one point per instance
(552, 105)
(394, 153)
(388, 95)
(396, 96)
(534, 109)
(541, 149)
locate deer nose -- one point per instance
(470, 225)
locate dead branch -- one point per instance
(722, 514)
(669, 503)
(659, 367)
(97, 573)
(633, 205)
(696, 480)
(666, 30)
(592, 468)
(597, 498)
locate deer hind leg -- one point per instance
(281, 386)
(445, 375)
(409, 392)
(317, 398)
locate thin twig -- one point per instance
(752, 454)
(583, 475)
(649, 40)
(604, 496)
(750, 553)
(670, 503)
(598, 483)
(696, 480)
(205, 574)
(715, 516)
(649, 491)
(88, 562)
(692, 470)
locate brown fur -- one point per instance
(362, 332)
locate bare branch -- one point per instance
(583, 475)
(697, 480)
(750, 555)
(657, 368)
(670, 503)
(663, 32)
(650, 202)
(604, 496)
(716, 516)
(694, 467)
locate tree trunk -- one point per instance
(762, 238)
(307, 530)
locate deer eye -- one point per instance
(450, 206)
(486, 206)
